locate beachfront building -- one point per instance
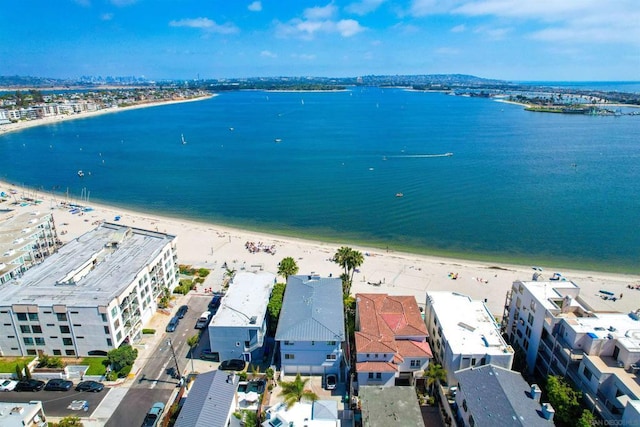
(94, 294)
(463, 333)
(211, 401)
(22, 414)
(389, 406)
(391, 340)
(26, 239)
(598, 351)
(489, 395)
(311, 329)
(238, 329)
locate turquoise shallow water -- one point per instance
(520, 187)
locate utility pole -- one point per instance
(175, 359)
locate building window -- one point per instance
(109, 342)
(77, 325)
(472, 422)
(70, 352)
(57, 352)
(25, 329)
(39, 341)
(289, 356)
(464, 405)
(22, 316)
(33, 317)
(331, 343)
(27, 340)
(118, 336)
(247, 344)
(518, 302)
(331, 356)
(587, 373)
(370, 375)
(62, 317)
(31, 352)
(473, 361)
(67, 341)
(37, 329)
(378, 375)
(288, 343)
(114, 311)
(533, 306)
(530, 319)
(415, 363)
(106, 330)
(116, 324)
(64, 329)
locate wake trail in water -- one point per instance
(420, 156)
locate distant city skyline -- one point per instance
(572, 40)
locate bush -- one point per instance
(122, 373)
(46, 361)
(148, 331)
(198, 280)
(203, 272)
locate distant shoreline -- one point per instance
(14, 127)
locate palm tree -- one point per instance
(354, 260)
(287, 267)
(434, 374)
(294, 391)
(341, 256)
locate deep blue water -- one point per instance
(521, 187)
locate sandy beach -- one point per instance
(209, 245)
(13, 127)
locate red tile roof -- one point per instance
(375, 367)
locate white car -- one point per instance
(7, 385)
(79, 405)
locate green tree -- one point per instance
(192, 342)
(295, 391)
(340, 257)
(27, 372)
(274, 306)
(287, 267)
(122, 358)
(70, 421)
(564, 399)
(354, 260)
(349, 259)
(434, 374)
(19, 371)
(587, 419)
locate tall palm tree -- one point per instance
(434, 374)
(354, 260)
(294, 391)
(341, 256)
(287, 267)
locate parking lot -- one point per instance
(55, 403)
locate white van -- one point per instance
(203, 320)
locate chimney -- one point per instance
(535, 392)
(548, 411)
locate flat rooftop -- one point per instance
(389, 406)
(247, 297)
(91, 270)
(467, 324)
(549, 293)
(620, 326)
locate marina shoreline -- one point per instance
(14, 127)
(209, 245)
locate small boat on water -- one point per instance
(80, 173)
(183, 140)
(399, 195)
(278, 140)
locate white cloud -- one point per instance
(310, 28)
(493, 32)
(364, 6)
(459, 29)
(106, 16)
(348, 27)
(205, 24)
(268, 54)
(255, 6)
(318, 13)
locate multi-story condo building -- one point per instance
(94, 294)
(561, 335)
(26, 239)
(238, 328)
(463, 333)
(391, 340)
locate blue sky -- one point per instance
(186, 39)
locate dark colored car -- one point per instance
(210, 355)
(214, 304)
(58, 384)
(331, 381)
(173, 324)
(93, 386)
(29, 385)
(182, 311)
(233, 365)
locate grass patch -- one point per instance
(8, 364)
(96, 367)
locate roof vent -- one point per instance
(548, 411)
(253, 320)
(536, 392)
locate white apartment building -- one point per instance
(94, 294)
(598, 351)
(463, 333)
(26, 239)
(238, 329)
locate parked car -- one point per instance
(182, 311)
(152, 419)
(330, 382)
(232, 365)
(92, 386)
(8, 385)
(29, 385)
(58, 384)
(210, 355)
(203, 320)
(79, 405)
(173, 324)
(214, 304)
